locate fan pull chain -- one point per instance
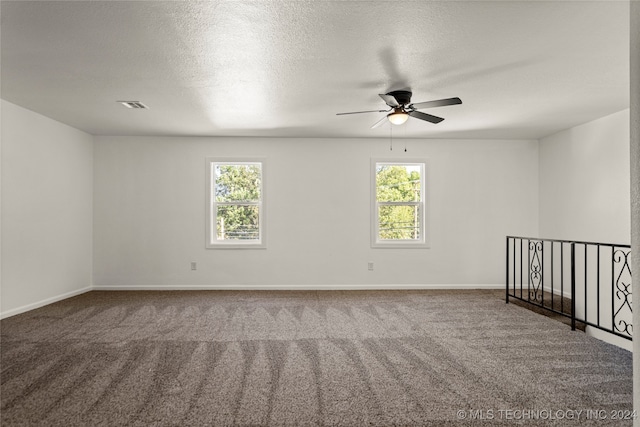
(405, 139)
(390, 137)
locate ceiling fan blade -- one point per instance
(425, 116)
(379, 122)
(390, 100)
(436, 103)
(358, 112)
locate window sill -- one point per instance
(236, 246)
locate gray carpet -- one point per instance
(336, 358)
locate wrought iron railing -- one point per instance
(584, 281)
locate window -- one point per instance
(235, 204)
(398, 204)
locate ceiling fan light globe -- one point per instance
(398, 117)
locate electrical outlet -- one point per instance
(370, 266)
(194, 266)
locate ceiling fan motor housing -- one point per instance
(402, 96)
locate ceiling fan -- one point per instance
(400, 102)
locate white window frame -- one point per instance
(423, 206)
(212, 241)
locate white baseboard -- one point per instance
(610, 338)
(342, 287)
(556, 290)
(339, 287)
(43, 302)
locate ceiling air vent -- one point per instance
(133, 104)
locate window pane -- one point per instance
(238, 223)
(397, 183)
(399, 223)
(237, 182)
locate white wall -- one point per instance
(149, 213)
(634, 53)
(584, 182)
(585, 195)
(47, 184)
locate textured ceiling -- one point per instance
(523, 69)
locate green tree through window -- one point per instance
(236, 205)
(237, 191)
(399, 201)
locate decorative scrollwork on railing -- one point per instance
(623, 313)
(579, 279)
(535, 270)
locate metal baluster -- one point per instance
(613, 286)
(521, 280)
(529, 270)
(585, 283)
(542, 272)
(514, 266)
(552, 260)
(598, 285)
(573, 286)
(562, 277)
(507, 274)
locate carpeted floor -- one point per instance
(338, 358)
